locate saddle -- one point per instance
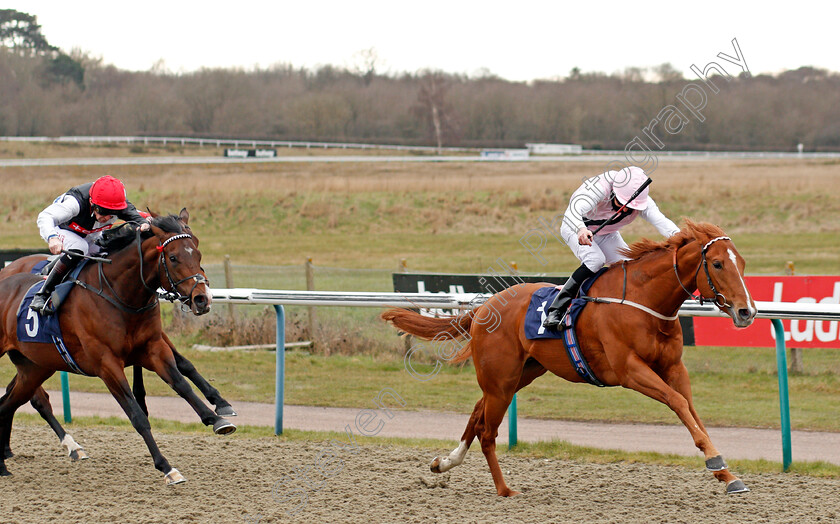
(535, 316)
(34, 327)
(61, 291)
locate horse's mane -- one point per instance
(168, 223)
(120, 237)
(690, 232)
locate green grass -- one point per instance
(732, 387)
(556, 449)
(452, 218)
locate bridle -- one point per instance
(718, 296)
(172, 294)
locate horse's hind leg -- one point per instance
(494, 411)
(456, 457)
(41, 402)
(677, 377)
(29, 377)
(475, 426)
(7, 449)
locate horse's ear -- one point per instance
(154, 215)
(185, 216)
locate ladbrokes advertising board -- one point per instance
(798, 333)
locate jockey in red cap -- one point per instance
(606, 202)
(74, 221)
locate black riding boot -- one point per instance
(62, 266)
(557, 309)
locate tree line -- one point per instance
(47, 92)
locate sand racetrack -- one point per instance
(240, 479)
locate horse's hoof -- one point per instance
(174, 477)
(78, 454)
(223, 427)
(435, 465)
(509, 493)
(716, 463)
(736, 486)
(225, 411)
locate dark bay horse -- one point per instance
(114, 322)
(40, 401)
(624, 345)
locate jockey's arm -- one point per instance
(584, 200)
(59, 212)
(130, 214)
(663, 224)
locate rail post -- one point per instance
(784, 401)
(512, 436)
(65, 396)
(280, 369)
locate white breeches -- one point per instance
(604, 249)
(84, 244)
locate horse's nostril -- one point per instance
(744, 313)
(200, 300)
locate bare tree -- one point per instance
(432, 105)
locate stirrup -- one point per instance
(45, 309)
(552, 326)
(561, 323)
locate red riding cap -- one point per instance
(108, 193)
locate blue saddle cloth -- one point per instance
(35, 327)
(535, 316)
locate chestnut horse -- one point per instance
(111, 323)
(623, 344)
(41, 401)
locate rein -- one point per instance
(168, 295)
(704, 264)
(718, 299)
(623, 300)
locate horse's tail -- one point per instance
(429, 328)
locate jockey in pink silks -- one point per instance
(590, 207)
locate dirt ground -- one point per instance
(238, 479)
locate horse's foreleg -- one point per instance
(164, 365)
(678, 379)
(640, 377)
(41, 402)
(112, 374)
(223, 407)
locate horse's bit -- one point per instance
(699, 297)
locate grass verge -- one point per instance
(731, 386)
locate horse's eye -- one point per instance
(717, 265)
(173, 258)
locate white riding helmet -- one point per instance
(628, 181)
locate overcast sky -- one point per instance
(515, 40)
